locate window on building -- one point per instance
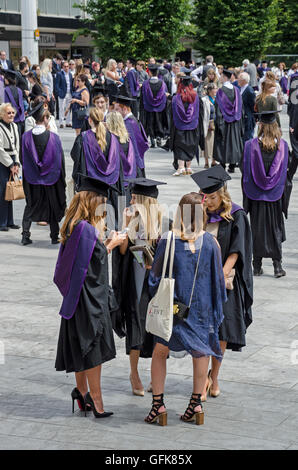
(64, 7)
(52, 7)
(12, 5)
(42, 6)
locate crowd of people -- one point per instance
(117, 245)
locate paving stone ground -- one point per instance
(258, 405)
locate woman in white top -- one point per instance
(208, 122)
(112, 79)
(46, 79)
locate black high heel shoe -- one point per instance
(90, 402)
(154, 414)
(76, 395)
(190, 413)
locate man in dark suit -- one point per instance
(64, 89)
(248, 99)
(56, 68)
(4, 62)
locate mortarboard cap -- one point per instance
(211, 180)
(37, 112)
(227, 73)
(267, 117)
(145, 187)
(11, 74)
(86, 183)
(153, 67)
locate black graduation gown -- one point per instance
(293, 114)
(86, 340)
(155, 124)
(267, 219)
(235, 237)
(79, 166)
(133, 311)
(47, 203)
(184, 144)
(228, 137)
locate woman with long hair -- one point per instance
(187, 130)
(266, 188)
(96, 153)
(86, 337)
(47, 82)
(266, 101)
(101, 102)
(199, 285)
(112, 79)
(144, 222)
(36, 85)
(228, 222)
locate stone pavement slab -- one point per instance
(258, 405)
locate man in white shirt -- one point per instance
(4, 62)
(175, 70)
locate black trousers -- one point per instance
(6, 213)
(26, 225)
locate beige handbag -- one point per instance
(159, 320)
(14, 189)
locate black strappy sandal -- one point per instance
(190, 413)
(154, 414)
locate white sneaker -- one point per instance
(179, 172)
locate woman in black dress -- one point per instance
(228, 222)
(86, 338)
(187, 131)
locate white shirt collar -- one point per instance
(243, 88)
(127, 116)
(229, 85)
(39, 129)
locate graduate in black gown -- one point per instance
(153, 107)
(145, 223)
(229, 124)
(293, 115)
(86, 337)
(187, 131)
(266, 189)
(43, 176)
(135, 130)
(96, 153)
(229, 223)
(132, 86)
(14, 95)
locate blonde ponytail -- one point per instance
(97, 117)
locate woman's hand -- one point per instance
(128, 214)
(14, 170)
(291, 130)
(115, 239)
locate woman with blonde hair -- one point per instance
(266, 100)
(46, 79)
(266, 186)
(112, 79)
(144, 222)
(228, 222)
(96, 153)
(86, 337)
(199, 285)
(211, 78)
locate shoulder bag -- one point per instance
(159, 320)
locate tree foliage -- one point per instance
(232, 30)
(136, 28)
(286, 37)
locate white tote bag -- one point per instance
(159, 320)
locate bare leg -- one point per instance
(81, 380)
(159, 370)
(134, 373)
(93, 376)
(200, 371)
(78, 131)
(216, 366)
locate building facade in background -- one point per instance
(57, 21)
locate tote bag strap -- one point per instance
(166, 258)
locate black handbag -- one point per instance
(181, 310)
(82, 113)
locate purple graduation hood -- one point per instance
(215, 216)
(97, 165)
(8, 98)
(153, 103)
(231, 111)
(72, 266)
(139, 140)
(45, 172)
(185, 120)
(256, 184)
(128, 162)
(133, 82)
